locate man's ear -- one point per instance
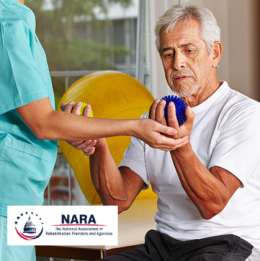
(216, 53)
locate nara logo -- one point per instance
(29, 226)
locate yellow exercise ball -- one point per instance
(112, 95)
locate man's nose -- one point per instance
(179, 61)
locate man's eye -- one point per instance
(189, 51)
(168, 55)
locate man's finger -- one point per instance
(172, 119)
(87, 110)
(152, 111)
(159, 115)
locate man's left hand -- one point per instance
(157, 114)
(183, 132)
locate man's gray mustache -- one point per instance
(180, 73)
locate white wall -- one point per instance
(239, 21)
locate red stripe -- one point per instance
(27, 236)
(20, 234)
(88, 225)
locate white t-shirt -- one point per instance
(226, 133)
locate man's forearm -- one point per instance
(207, 192)
(106, 177)
(115, 186)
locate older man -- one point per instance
(208, 184)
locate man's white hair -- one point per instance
(209, 26)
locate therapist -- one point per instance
(29, 126)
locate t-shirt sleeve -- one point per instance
(238, 147)
(20, 78)
(134, 158)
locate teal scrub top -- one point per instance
(26, 162)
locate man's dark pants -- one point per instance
(161, 247)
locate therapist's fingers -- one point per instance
(76, 108)
(75, 144)
(62, 105)
(85, 144)
(90, 148)
(90, 151)
(87, 110)
(67, 107)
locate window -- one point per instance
(80, 37)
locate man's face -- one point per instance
(185, 59)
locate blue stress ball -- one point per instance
(180, 106)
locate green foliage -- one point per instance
(67, 43)
(70, 8)
(75, 54)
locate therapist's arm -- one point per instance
(46, 123)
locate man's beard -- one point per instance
(187, 88)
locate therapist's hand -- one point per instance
(88, 146)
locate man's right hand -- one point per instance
(88, 146)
